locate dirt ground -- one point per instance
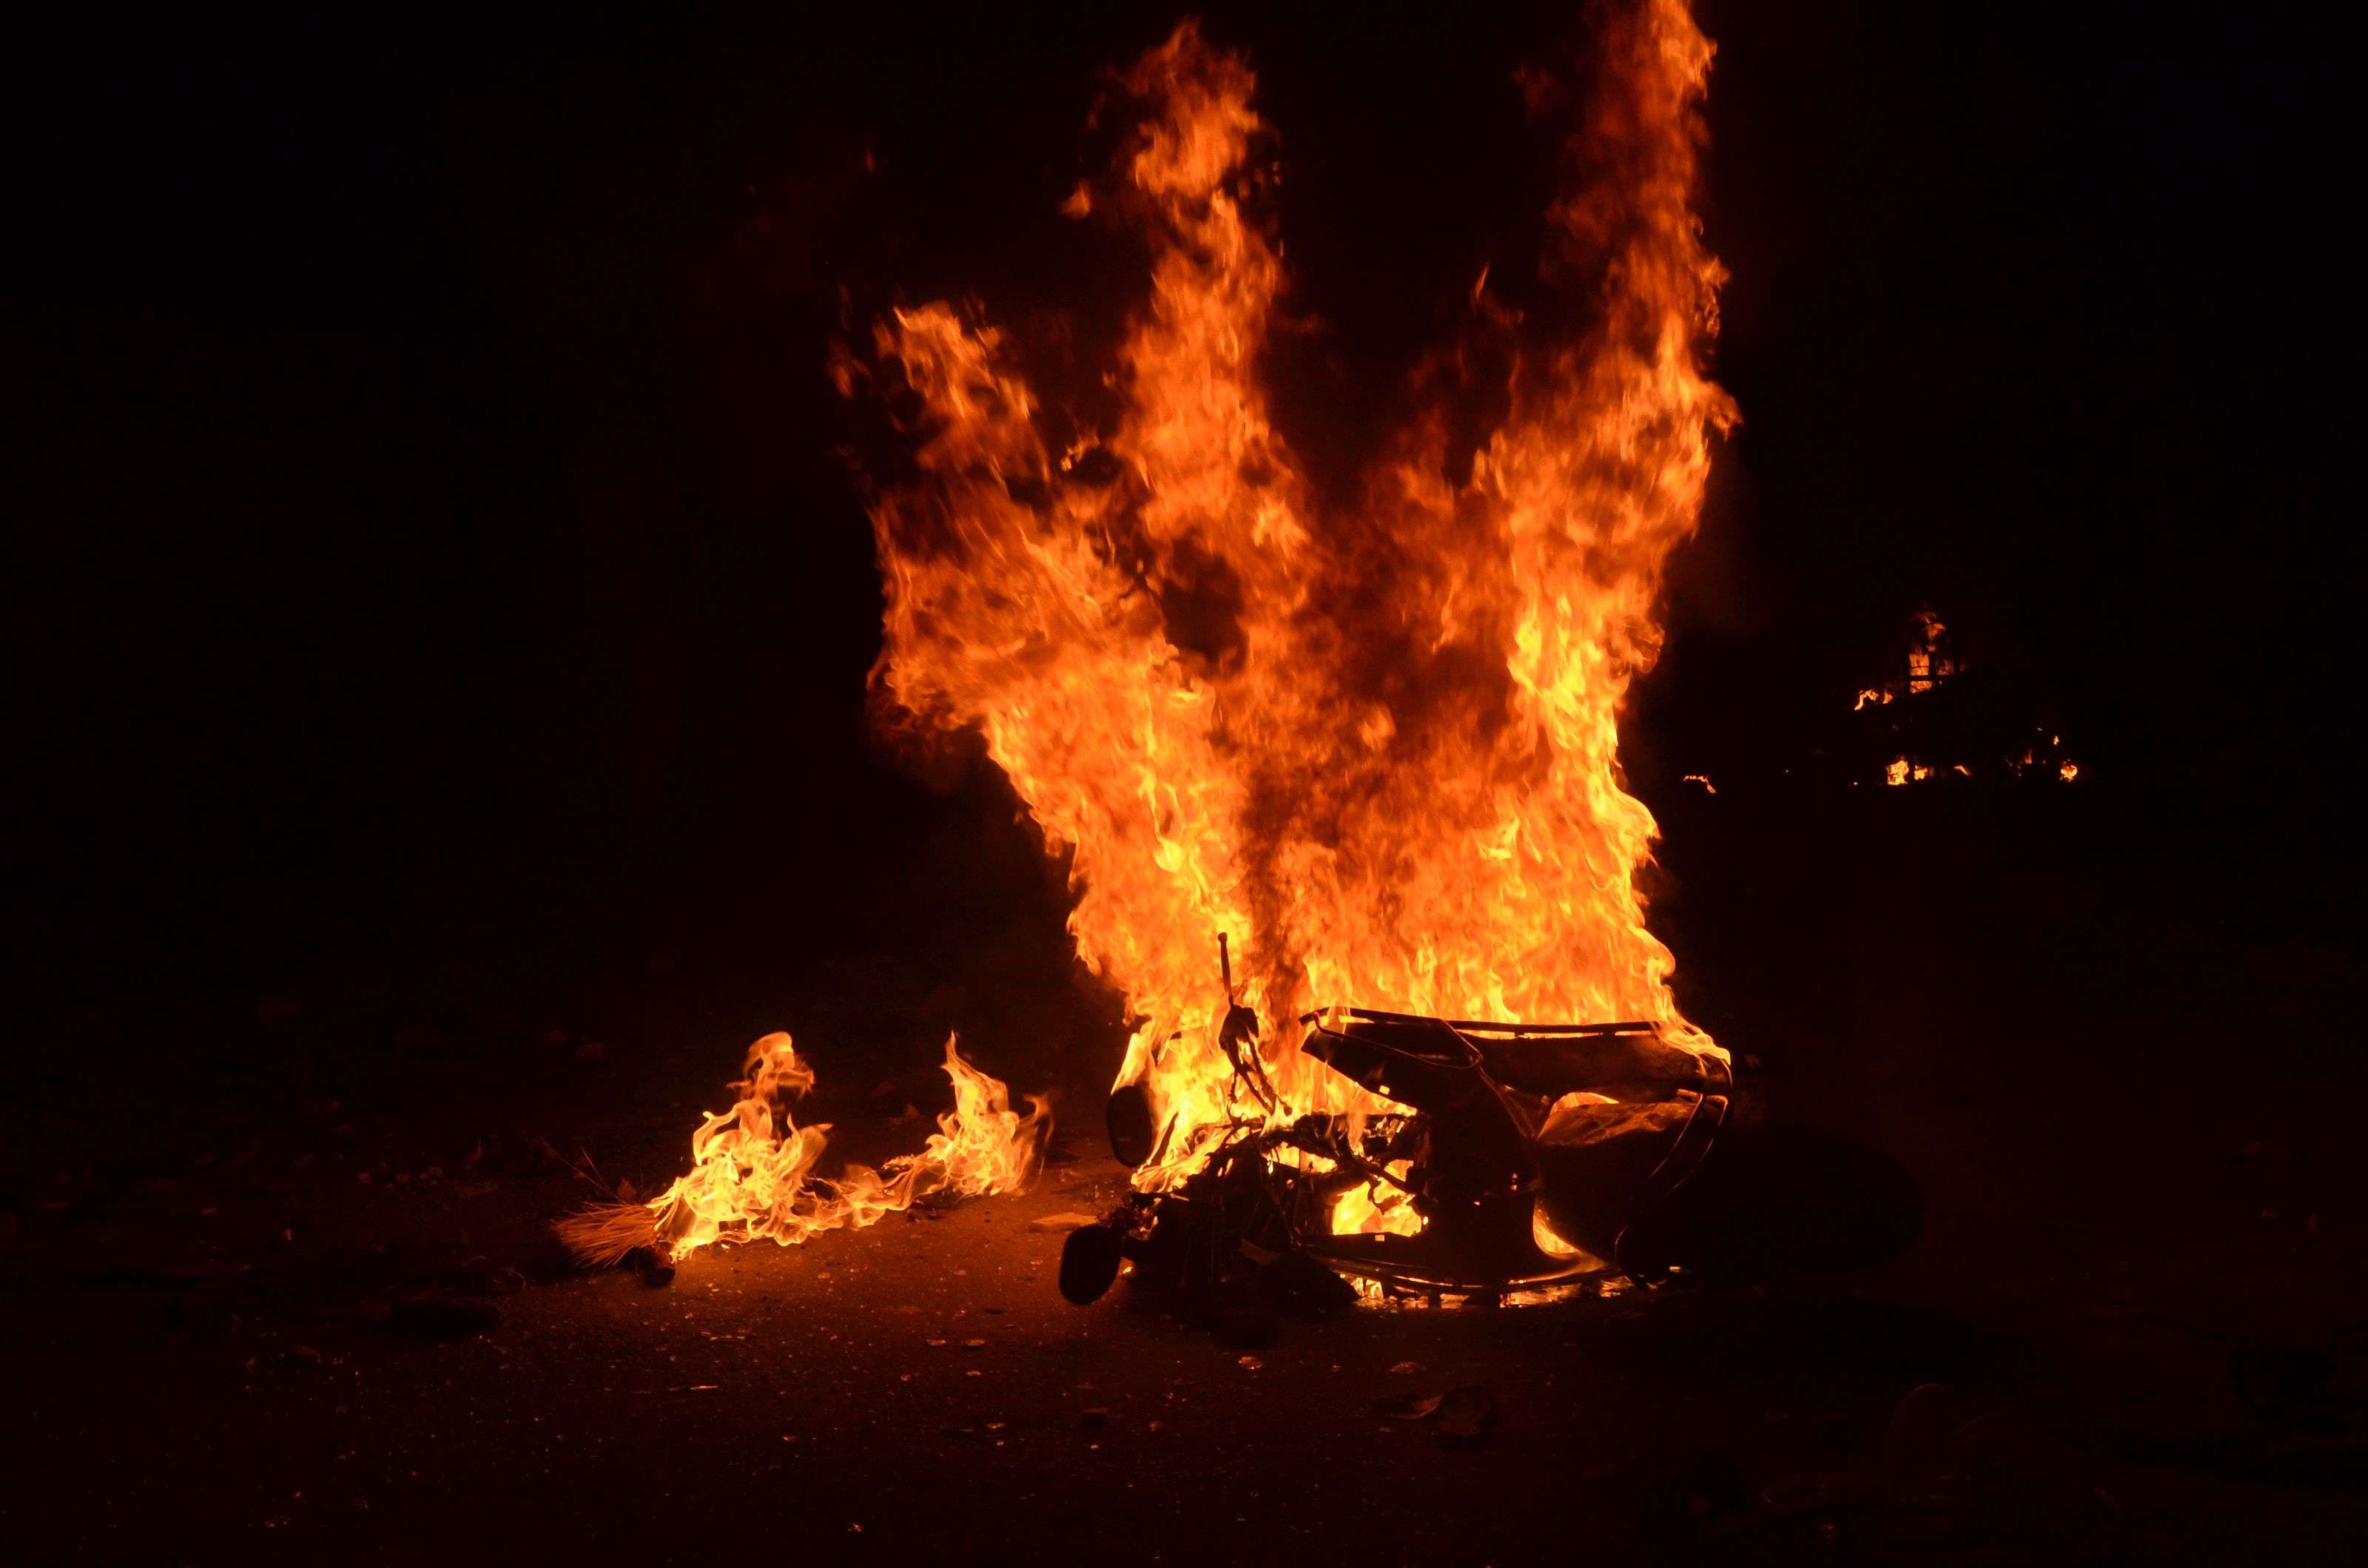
(279, 1283)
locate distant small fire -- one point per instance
(1941, 732)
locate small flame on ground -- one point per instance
(752, 1167)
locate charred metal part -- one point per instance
(1237, 1036)
(1478, 1026)
(1537, 1134)
(1536, 1156)
(1134, 1126)
(1224, 1243)
(1525, 1150)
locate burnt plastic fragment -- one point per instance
(1090, 1262)
(1133, 1129)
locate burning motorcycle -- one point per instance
(1516, 1161)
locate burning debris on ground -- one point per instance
(1942, 720)
(1931, 715)
(752, 1170)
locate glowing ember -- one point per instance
(1371, 739)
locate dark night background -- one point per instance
(438, 613)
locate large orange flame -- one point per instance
(1373, 743)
